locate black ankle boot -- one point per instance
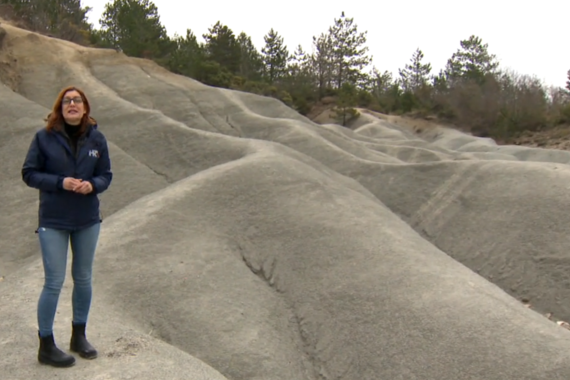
(79, 342)
(51, 355)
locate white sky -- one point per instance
(528, 37)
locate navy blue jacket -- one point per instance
(50, 159)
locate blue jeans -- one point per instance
(54, 244)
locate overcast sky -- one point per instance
(528, 37)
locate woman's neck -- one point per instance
(71, 130)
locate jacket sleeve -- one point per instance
(32, 170)
(102, 176)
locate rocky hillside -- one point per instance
(243, 241)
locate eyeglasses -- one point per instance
(76, 100)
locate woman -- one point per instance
(68, 162)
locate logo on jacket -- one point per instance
(94, 153)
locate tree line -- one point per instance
(471, 91)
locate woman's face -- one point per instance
(72, 107)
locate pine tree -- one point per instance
(344, 111)
(251, 62)
(381, 82)
(415, 75)
(568, 82)
(275, 56)
(349, 51)
(321, 63)
(472, 62)
(299, 82)
(385, 90)
(222, 47)
(66, 19)
(298, 62)
(134, 27)
(188, 56)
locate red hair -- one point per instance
(55, 120)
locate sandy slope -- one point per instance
(243, 241)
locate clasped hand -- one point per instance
(77, 185)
